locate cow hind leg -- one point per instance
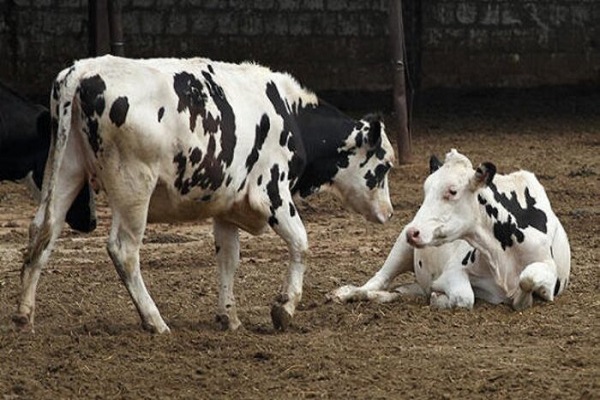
(227, 245)
(43, 232)
(537, 278)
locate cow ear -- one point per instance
(375, 133)
(484, 174)
(375, 127)
(434, 164)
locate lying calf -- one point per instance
(478, 234)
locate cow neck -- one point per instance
(324, 131)
(482, 238)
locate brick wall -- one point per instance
(510, 42)
(328, 44)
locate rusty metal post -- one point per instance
(98, 28)
(396, 28)
(115, 28)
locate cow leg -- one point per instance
(400, 260)
(289, 226)
(43, 232)
(539, 278)
(452, 289)
(227, 243)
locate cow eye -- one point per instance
(452, 192)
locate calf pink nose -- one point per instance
(412, 234)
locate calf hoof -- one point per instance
(522, 300)
(343, 294)
(226, 323)
(281, 317)
(22, 323)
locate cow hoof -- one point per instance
(22, 323)
(281, 317)
(343, 294)
(522, 300)
(226, 323)
(282, 298)
(156, 329)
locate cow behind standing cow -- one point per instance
(174, 140)
(24, 146)
(478, 234)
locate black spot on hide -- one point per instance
(91, 94)
(191, 97)
(262, 129)
(376, 179)
(519, 217)
(118, 111)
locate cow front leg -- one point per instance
(399, 260)
(227, 246)
(288, 225)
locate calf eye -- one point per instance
(452, 192)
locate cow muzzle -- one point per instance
(413, 237)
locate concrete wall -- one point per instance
(328, 44)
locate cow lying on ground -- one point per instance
(178, 140)
(478, 234)
(24, 144)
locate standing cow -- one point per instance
(24, 145)
(478, 234)
(178, 140)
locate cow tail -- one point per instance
(61, 120)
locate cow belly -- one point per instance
(166, 207)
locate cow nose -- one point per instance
(412, 235)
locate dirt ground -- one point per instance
(89, 342)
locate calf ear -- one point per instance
(434, 164)
(484, 174)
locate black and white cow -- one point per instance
(24, 145)
(178, 140)
(478, 234)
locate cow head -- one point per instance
(450, 207)
(362, 184)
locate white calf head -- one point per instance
(362, 184)
(450, 208)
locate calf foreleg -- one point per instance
(400, 260)
(227, 243)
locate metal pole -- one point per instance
(98, 24)
(396, 26)
(115, 28)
